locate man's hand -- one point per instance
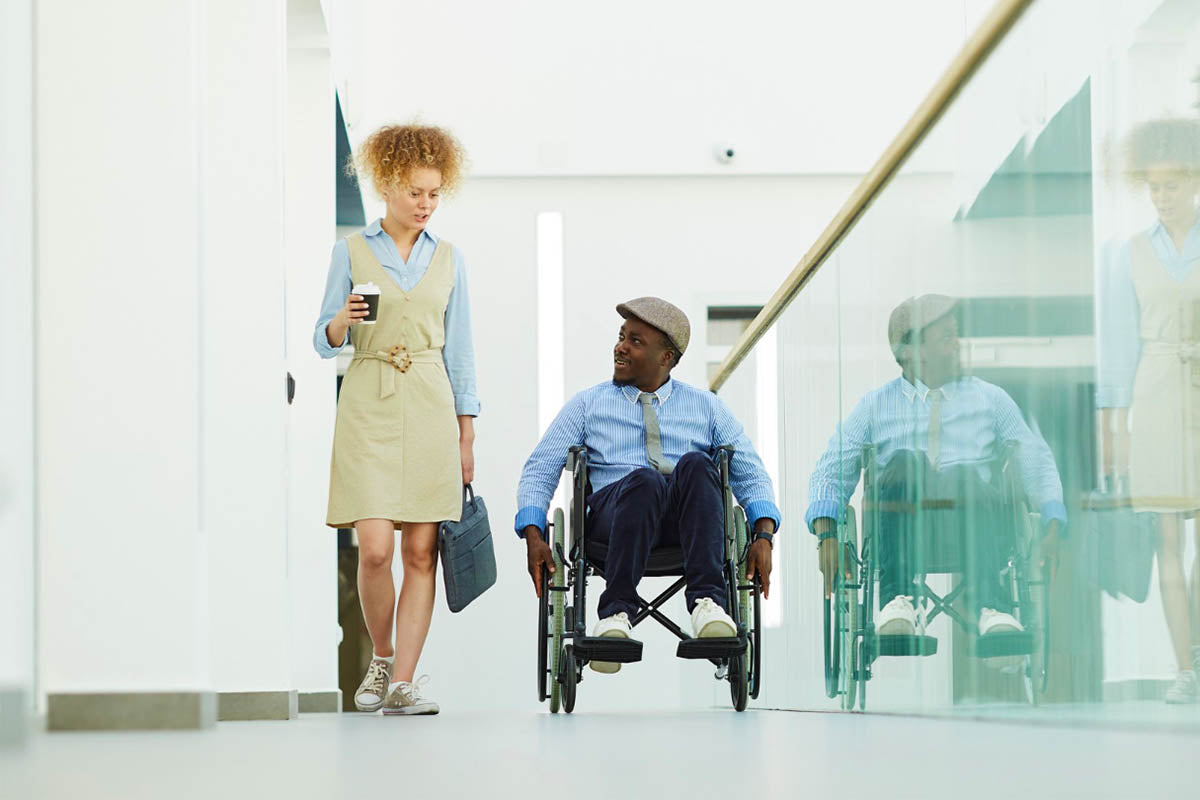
(829, 563)
(539, 553)
(758, 561)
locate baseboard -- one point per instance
(329, 702)
(100, 711)
(1136, 689)
(241, 706)
(15, 723)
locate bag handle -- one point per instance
(468, 490)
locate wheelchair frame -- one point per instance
(851, 642)
(564, 648)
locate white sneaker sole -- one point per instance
(716, 629)
(422, 709)
(608, 667)
(897, 627)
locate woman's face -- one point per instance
(411, 206)
(1173, 193)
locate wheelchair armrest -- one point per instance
(576, 454)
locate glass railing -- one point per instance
(988, 391)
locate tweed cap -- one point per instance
(662, 315)
(915, 314)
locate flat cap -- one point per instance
(915, 314)
(662, 315)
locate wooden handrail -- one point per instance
(976, 50)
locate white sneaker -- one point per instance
(897, 618)
(709, 620)
(405, 699)
(374, 686)
(1184, 690)
(992, 621)
(617, 626)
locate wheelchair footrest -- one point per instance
(902, 645)
(723, 647)
(608, 648)
(1003, 643)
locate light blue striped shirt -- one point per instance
(1118, 315)
(458, 353)
(608, 419)
(978, 418)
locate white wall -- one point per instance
(119, 202)
(632, 88)
(17, 584)
(244, 410)
(312, 561)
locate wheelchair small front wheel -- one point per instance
(738, 685)
(568, 676)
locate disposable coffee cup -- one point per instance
(370, 294)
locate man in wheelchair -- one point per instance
(935, 434)
(651, 442)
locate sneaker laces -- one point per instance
(377, 678)
(412, 689)
(705, 605)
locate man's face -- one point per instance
(938, 353)
(640, 356)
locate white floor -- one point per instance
(698, 754)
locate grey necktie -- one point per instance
(653, 441)
(935, 426)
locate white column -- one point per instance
(244, 456)
(122, 563)
(310, 227)
(17, 585)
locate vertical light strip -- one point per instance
(550, 329)
(766, 391)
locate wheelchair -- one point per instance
(563, 646)
(851, 642)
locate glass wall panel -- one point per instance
(989, 398)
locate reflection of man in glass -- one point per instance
(935, 434)
(1150, 364)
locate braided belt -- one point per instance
(400, 359)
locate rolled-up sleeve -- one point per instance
(539, 478)
(1118, 339)
(747, 476)
(835, 476)
(337, 289)
(459, 350)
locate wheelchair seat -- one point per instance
(663, 561)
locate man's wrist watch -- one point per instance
(770, 537)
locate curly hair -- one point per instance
(1162, 141)
(389, 155)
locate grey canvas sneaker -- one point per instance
(1184, 688)
(406, 699)
(373, 688)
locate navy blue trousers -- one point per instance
(645, 510)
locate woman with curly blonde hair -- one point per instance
(1149, 376)
(404, 437)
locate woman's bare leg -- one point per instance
(418, 550)
(1173, 587)
(376, 592)
(1196, 588)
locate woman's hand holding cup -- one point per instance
(355, 310)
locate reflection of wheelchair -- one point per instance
(564, 647)
(851, 642)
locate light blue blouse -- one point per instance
(458, 352)
(1118, 316)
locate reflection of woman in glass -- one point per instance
(1150, 366)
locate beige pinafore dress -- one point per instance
(395, 442)
(1164, 471)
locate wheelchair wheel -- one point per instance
(738, 685)
(543, 643)
(557, 602)
(851, 667)
(568, 677)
